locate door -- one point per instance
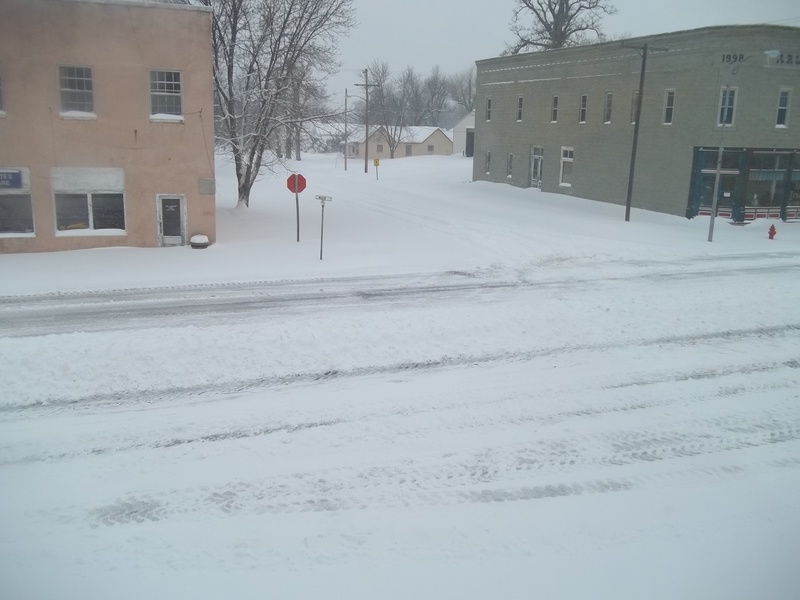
(537, 161)
(171, 220)
(469, 149)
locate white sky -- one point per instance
(455, 33)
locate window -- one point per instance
(77, 93)
(554, 110)
(669, 106)
(2, 106)
(782, 120)
(89, 211)
(634, 105)
(430, 148)
(510, 166)
(519, 109)
(165, 93)
(380, 147)
(488, 162)
(727, 104)
(567, 155)
(582, 110)
(16, 212)
(488, 109)
(607, 107)
(409, 149)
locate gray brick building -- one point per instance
(563, 121)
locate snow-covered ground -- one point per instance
(479, 392)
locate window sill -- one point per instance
(776, 126)
(91, 233)
(76, 115)
(18, 235)
(564, 185)
(166, 118)
(2, 114)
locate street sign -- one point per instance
(323, 200)
(296, 183)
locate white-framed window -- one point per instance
(607, 102)
(430, 148)
(2, 106)
(727, 106)
(16, 209)
(488, 109)
(669, 106)
(409, 149)
(510, 166)
(488, 162)
(582, 110)
(165, 94)
(76, 89)
(380, 148)
(567, 157)
(88, 199)
(519, 109)
(554, 110)
(782, 118)
(634, 105)
(89, 210)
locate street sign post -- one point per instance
(323, 200)
(296, 183)
(377, 164)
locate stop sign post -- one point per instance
(296, 183)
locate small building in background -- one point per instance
(408, 141)
(106, 124)
(464, 136)
(564, 120)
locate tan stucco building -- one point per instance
(106, 124)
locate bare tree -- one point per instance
(557, 23)
(461, 88)
(267, 54)
(434, 97)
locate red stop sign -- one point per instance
(296, 183)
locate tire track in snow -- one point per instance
(490, 477)
(791, 330)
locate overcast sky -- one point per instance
(455, 33)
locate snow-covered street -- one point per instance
(480, 392)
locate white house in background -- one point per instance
(414, 141)
(464, 135)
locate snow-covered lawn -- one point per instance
(479, 392)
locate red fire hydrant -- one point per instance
(771, 231)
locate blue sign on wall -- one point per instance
(11, 179)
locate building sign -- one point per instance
(790, 59)
(11, 180)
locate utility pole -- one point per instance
(366, 85)
(345, 129)
(644, 48)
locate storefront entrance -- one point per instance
(753, 184)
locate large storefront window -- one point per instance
(16, 214)
(89, 211)
(753, 183)
(16, 210)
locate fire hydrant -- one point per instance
(771, 231)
